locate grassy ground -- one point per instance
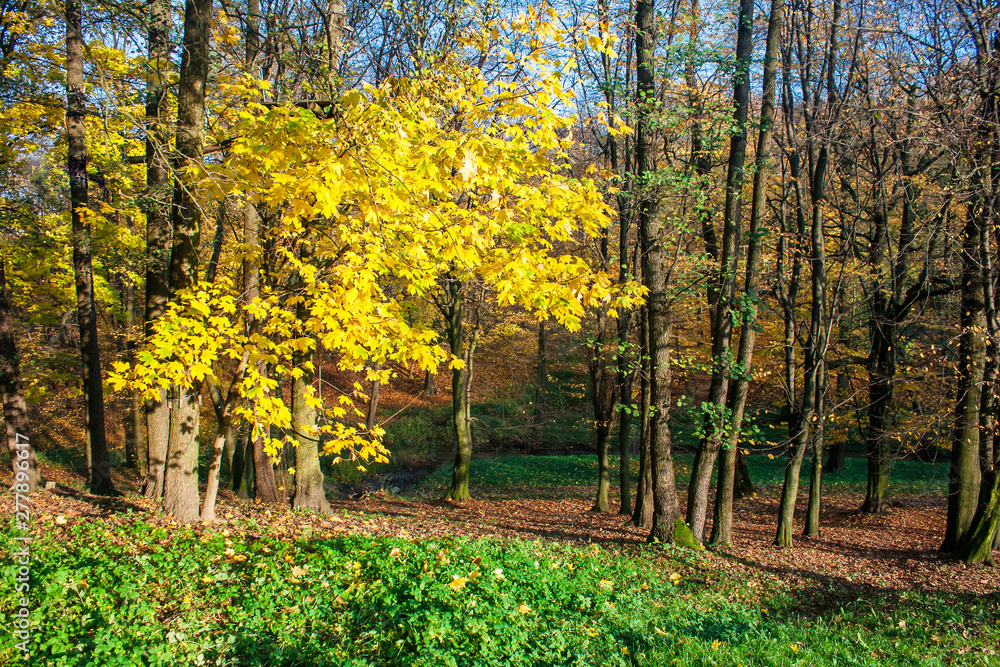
(559, 476)
(285, 588)
(127, 593)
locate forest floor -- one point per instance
(864, 571)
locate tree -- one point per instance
(667, 525)
(717, 417)
(427, 196)
(180, 488)
(159, 235)
(99, 465)
(722, 523)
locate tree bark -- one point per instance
(667, 524)
(965, 474)
(460, 387)
(24, 463)
(541, 379)
(642, 513)
(722, 522)
(222, 435)
(90, 351)
(180, 489)
(309, 491)
(159, 228)
(717, 418)
(429, 388)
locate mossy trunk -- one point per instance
(602, 434)
(965, 472)
(977, 546)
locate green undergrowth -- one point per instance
(575, 476)
(133, 594)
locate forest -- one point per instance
(480, 332)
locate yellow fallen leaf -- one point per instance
(523, 609)
(61, 520)
(299, 571)
(458, 583)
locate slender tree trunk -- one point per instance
(372, 415)
(625, 441)
(642, 514)
(24, 464)
(159, 231)
(90, 351)
(722, 522)
(603, 398)
(460, 378)
(135, 418)
(601, 433)
(222, 434)
(700, 162)
(816, 471)
(717, 419)
(541, 379)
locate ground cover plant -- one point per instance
(512, 579)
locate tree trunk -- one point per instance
(977, 545)
(180, 489)
(541, 378)
(880, 400)
(965, 474)
(816, 470)
(642, 514)
(159, 231)
(309, 491)
(743, 485)
(24, 464)
(667, 525)
(603, 398)
(716, 419)
(601, 433)
(133, 420)
(222, 435)
(460, 378)
(372, 415)
(429, 388)
(90, 351)
(242, 468)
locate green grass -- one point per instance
(133, 594)
(558, 476)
